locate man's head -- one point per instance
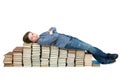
(30, 37)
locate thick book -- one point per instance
(18, 49)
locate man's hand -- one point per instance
(50, 32)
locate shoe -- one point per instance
(111, 61)
(108, 62)
(112, 56)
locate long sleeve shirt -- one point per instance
(55, 39)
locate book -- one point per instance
(95, 63)
(8, 59)
(88, 59)
(71, 58)
(17, 56)
(79, 59)
(62, 59)
(54, 56)
(18, 49)
(27, 51)
(36, 55)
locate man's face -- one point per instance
(33, 36)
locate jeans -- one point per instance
(77, 44)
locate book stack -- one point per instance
(71, 58)
(95, 63)
(88, 59)
(17, 56)
(45, 56)
(62, 58)
(53, 56)
(27, 55)
(8, 59)
(79, 60)
(35, 55)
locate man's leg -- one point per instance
(97, 53)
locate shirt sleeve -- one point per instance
(47, 39)
(53, 29)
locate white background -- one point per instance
(96, 22)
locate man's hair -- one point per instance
(25, 37)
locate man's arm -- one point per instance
(52, 30)
(48, 39)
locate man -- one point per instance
(52, 37)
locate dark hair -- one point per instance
(25, 37)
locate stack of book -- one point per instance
(71, 58)
(79, 60)
(27, 55)
(53, 56)
(45, 56)
(62, 58)
(17, 56)
(95, 63)
(8, 59)
(35, 55)
(88, 59)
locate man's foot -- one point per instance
(108, 62)
(112, 56)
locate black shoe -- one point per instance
(111, 61)
(112, 56)
(108, 62)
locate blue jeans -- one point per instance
(77, 44)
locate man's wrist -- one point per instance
(50, 32)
